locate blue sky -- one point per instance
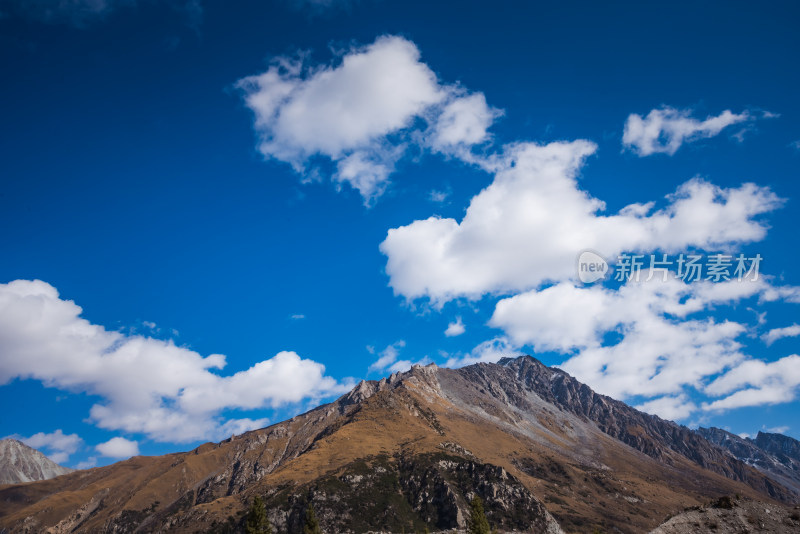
(214, 216)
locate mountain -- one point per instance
(775, 455)
(783, 447)
(20, 463)
(407, 453)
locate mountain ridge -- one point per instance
(776, 455)
(519, 434)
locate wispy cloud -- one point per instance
(777, 333)
(388, 359)
(387, 356)
(90, 462)
(438, 196)
(665, 129)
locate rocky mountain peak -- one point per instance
(21, 463)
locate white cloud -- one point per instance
(649, 339)
(762, 382)
(59, 457)
(367, 173)
(400, 366)
(672, 408)
(387, 356)
(777, 333)
(489, 351)
(148, 386)
(560, 317)
(362, 113)
(118, 448)
(455, 329)
(463, 122)
(658, 349)
(529, 225)
(664, 130)
(388, 359)
(298, 316)
(87, 464)
(59, 446)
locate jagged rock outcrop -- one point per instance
(20, 463)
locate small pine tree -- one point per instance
(312, 525)
(257, 522)
(478, 524)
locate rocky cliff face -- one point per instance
(781, 446)
(20, 463)
(413, 493)
(775, 455)
(407, 453)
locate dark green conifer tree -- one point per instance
(478, 524)
(311, 525)
(257, 522)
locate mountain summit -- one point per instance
(408, 453)
(20, 463)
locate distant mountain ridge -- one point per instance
(21, 463)
(407, 453)
(776, 455)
